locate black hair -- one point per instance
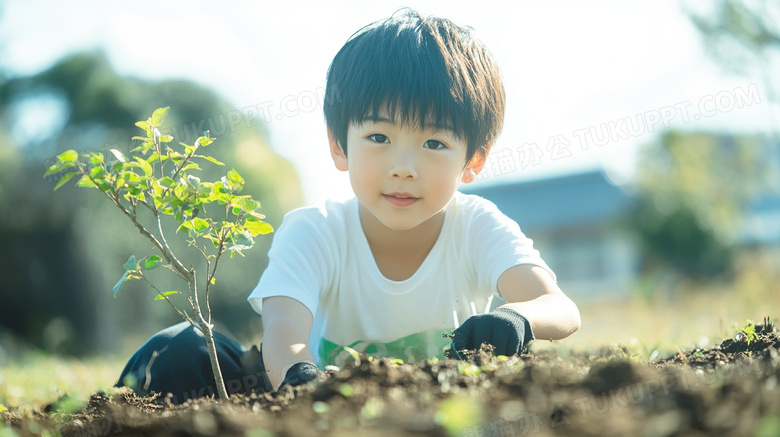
(428, 70)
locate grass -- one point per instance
(687, 316)
(38, 378)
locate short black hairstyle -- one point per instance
(429, 70)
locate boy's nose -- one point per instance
(403, 167)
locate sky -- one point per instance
(587, 83)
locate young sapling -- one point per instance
(159, 178)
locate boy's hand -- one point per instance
(300, 373)
(503, 328)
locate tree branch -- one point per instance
(214, 271)
(184, 316)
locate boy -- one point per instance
(413, 106)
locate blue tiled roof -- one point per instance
(563, 202)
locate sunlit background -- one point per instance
(640, 150)
(566, 66)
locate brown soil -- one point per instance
(729, 390)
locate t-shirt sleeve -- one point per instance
(299, 262)
(497, 244)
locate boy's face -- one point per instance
(401, 174)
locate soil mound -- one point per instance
(731, 389)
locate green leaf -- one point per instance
(175, 156)
(223, 198)
(131, 178)
(119, 156)
(131, 264)
(103, 186)
(234, 178)
(64, 180)
(119, 284)
(56, 168)
(167, 293)
(97, 173)
(167, 182)
(185, 226)
(115, 166)
(193, 183)
(166, 138)
(145, 166)
(95, 159)
(210, 159)
(155, 156)
(68, 156)
(239, 240)
(159, 115)
(258, 228)
(85, 181)
(248, 204)
(254, 216)
(145, 125)
(218, 188)
(204, 141)
(199, 224)
(152, 262)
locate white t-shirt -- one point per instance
(320, 257)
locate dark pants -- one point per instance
(176, 361)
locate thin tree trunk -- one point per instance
(209, 336)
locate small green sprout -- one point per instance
(469, 369)
(749, 332)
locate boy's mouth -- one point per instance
(400, 199)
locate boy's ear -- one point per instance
(339, 158)
(475, 165)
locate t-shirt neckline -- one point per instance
(365, 249)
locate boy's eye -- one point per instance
(378, 138)
(435, 145)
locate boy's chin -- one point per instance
(397, 225)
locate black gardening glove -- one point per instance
(505, 329)
(300, 373)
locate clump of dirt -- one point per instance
(731, 389)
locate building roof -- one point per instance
(563, 202)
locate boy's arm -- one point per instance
(532, 292)
(286, 328)
(536, 308)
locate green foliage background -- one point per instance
(63, 252)
(693, 191)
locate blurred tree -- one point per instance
(693, 188)
(61, 255)
(742, 35)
